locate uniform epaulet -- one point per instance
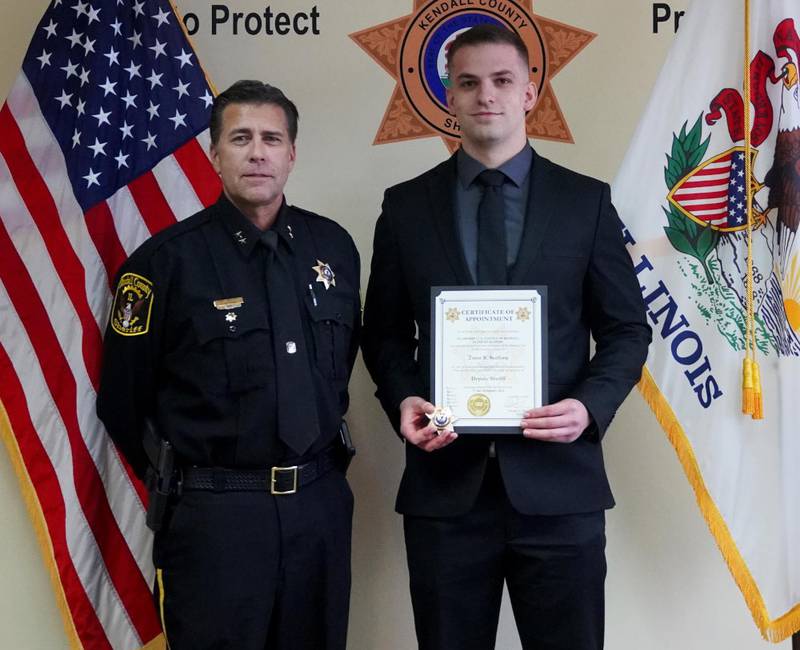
(327, 227)
(151, 245)
(315, 216)
(308, 213)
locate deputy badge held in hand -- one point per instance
(442, 418)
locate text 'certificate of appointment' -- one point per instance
(489, 355)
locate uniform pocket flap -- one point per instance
(229, 324)
(331, 307)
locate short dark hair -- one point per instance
(487, 33)
(247, 91)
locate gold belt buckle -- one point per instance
(274, 479)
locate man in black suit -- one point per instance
(527, 509)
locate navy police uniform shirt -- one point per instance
(189, 340)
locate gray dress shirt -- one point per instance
(468, 198)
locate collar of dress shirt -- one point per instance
(516, 168)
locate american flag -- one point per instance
(715, 192)
(102, 143)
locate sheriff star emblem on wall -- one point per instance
(412, 49)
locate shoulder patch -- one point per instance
(133, 302)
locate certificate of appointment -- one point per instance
(489, 355)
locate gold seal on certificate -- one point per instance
(478, 404)
(489, 355)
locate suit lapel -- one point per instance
(441, 190)
(541, 208)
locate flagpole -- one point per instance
(752, 403)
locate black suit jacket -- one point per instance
(572, 242)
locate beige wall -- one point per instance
(668, 588)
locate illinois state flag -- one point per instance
(681, 193)
(102, 143)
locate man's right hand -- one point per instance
(416, 427)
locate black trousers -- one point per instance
(252, 571)
(554, 567)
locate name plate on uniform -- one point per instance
(489, 355)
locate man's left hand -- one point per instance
(563, 421)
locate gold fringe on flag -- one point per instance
(34, 508)
(774, 630)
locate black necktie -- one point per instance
(492, 229)
(298, 424)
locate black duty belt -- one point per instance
(277, 480)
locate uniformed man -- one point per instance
(227, 356)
